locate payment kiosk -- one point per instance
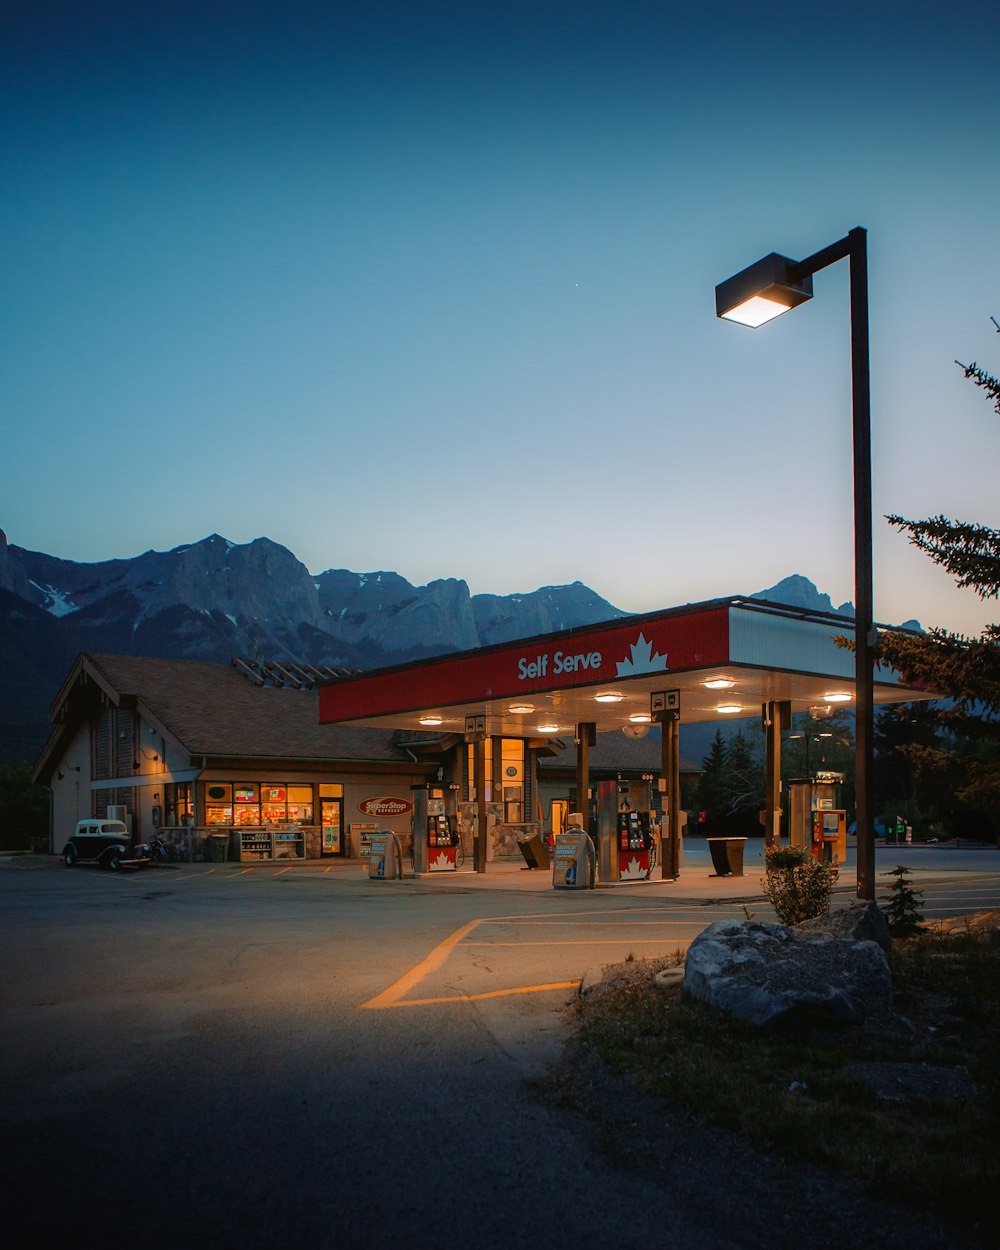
(829, 835)
(817, 823)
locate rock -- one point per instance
(862, 921)
(769, 973)
(668, 978)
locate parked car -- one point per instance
(104, 842)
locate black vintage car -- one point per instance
(104, 842)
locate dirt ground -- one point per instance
(761, 1199)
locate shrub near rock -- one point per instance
(797, 885)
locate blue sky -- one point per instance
(430, 287)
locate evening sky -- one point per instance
(429, 287)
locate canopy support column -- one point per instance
(670, 865)
(776, 717)
(586, 736)
(479, 768)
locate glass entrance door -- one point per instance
(560, 810)
(332, 824)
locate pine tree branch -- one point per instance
(969, 552)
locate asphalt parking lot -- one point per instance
(260, 1055)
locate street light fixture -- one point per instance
(753, 297)
(762, 292)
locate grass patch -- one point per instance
(911, 1106)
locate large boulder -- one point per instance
(769, 973)
(860, 920)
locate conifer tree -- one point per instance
(966, 669)
(744, 782)
(711, 784)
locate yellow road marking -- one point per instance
(242, 873)
(580, 942)
(471, 998)
(393, 996)
(435, 959)
(555, 922)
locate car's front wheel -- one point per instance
(113, 860)
(69, 857)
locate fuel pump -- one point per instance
(635, 842)
(442, 839)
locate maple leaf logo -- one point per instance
(641, 659)
(632, 871)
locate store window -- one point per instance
(470, 772)
(274, 803)
(300, 805)
(246, 803)
(178, 804)
(218, 803)
(511, 783)
(286, 804)
(504, 776)
(253, 803)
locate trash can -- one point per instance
(727, 856)
(218, 847)
(534, 850)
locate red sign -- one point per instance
(614, 652)
(385, 807)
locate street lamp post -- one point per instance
(753, 297)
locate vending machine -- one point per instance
(635, 840)
(442, 840)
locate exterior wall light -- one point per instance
(609, 696)
(521, 709)
(431, 720)
(547, 729)
(719, 683)
(838, 696)
(640, 718)
(727, 709)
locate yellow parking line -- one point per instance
(472, 998)
(393, 996)
(604, 924)
(242, 873)
(435, 959)
(580, 942)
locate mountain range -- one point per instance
(213, 599)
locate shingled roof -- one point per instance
(214, 711)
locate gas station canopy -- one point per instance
(724, 658)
